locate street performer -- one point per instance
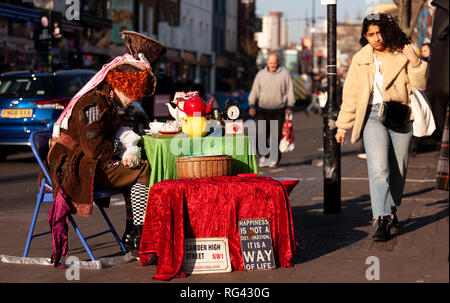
(91, 151)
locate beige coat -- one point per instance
(399, 77)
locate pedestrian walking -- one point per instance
(271, 98)
(381, 75)
(314, 105)
(437, 86)
(425, 52)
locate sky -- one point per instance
(294, 9)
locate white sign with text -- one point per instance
(206, 255)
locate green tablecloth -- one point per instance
(161, 153)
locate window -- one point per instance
(70, 85)
(26, 87)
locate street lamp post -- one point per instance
(313, 28)
(332, 153)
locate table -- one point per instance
(212, 207)
(161, 152)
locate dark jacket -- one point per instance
(74, 169)
(437, 74)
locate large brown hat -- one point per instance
(136, 43)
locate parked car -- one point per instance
(33, 101)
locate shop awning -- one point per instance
(70, 26)
(189, 58)
(173, 56)
(94, 21)
(20, 13)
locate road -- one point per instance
(333, 248)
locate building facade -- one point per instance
(231, 26)
(206, 40)
(247, 48)
(196, 32)
(275, 34)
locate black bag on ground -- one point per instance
(394, 115)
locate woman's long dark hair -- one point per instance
(394, 39)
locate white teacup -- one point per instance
(156, 126)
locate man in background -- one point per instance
(271, 98)
(425, 51)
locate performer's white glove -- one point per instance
(132, 156)
(129, 139)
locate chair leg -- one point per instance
(33, 222)
(111, 227)
(82, 239)
(75, 226)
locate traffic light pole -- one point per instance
(313, 22)
(332, 152)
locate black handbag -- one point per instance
(394, 115)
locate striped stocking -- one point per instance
(139, 194)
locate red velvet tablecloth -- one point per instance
(212, 207)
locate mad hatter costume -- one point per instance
(86, 153)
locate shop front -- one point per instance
(172, 63)
(17, 44)
(189, 66)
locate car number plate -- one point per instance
(17, 113)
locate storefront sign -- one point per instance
(122, 19)
(256, 244)
(206, 255)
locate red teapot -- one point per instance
(195, 104)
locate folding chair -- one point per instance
(39, 141)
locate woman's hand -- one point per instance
(410, 53)
(340, 137)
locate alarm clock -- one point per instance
(231, 110)
(231, 114)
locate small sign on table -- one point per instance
(206, 255)
(256, 244)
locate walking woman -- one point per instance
(384, 70)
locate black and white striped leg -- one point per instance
(139, 194)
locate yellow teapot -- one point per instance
(194, 126)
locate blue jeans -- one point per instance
(387, 162)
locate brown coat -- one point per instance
(74, 170)
(399, 77)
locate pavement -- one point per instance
(334, 248)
